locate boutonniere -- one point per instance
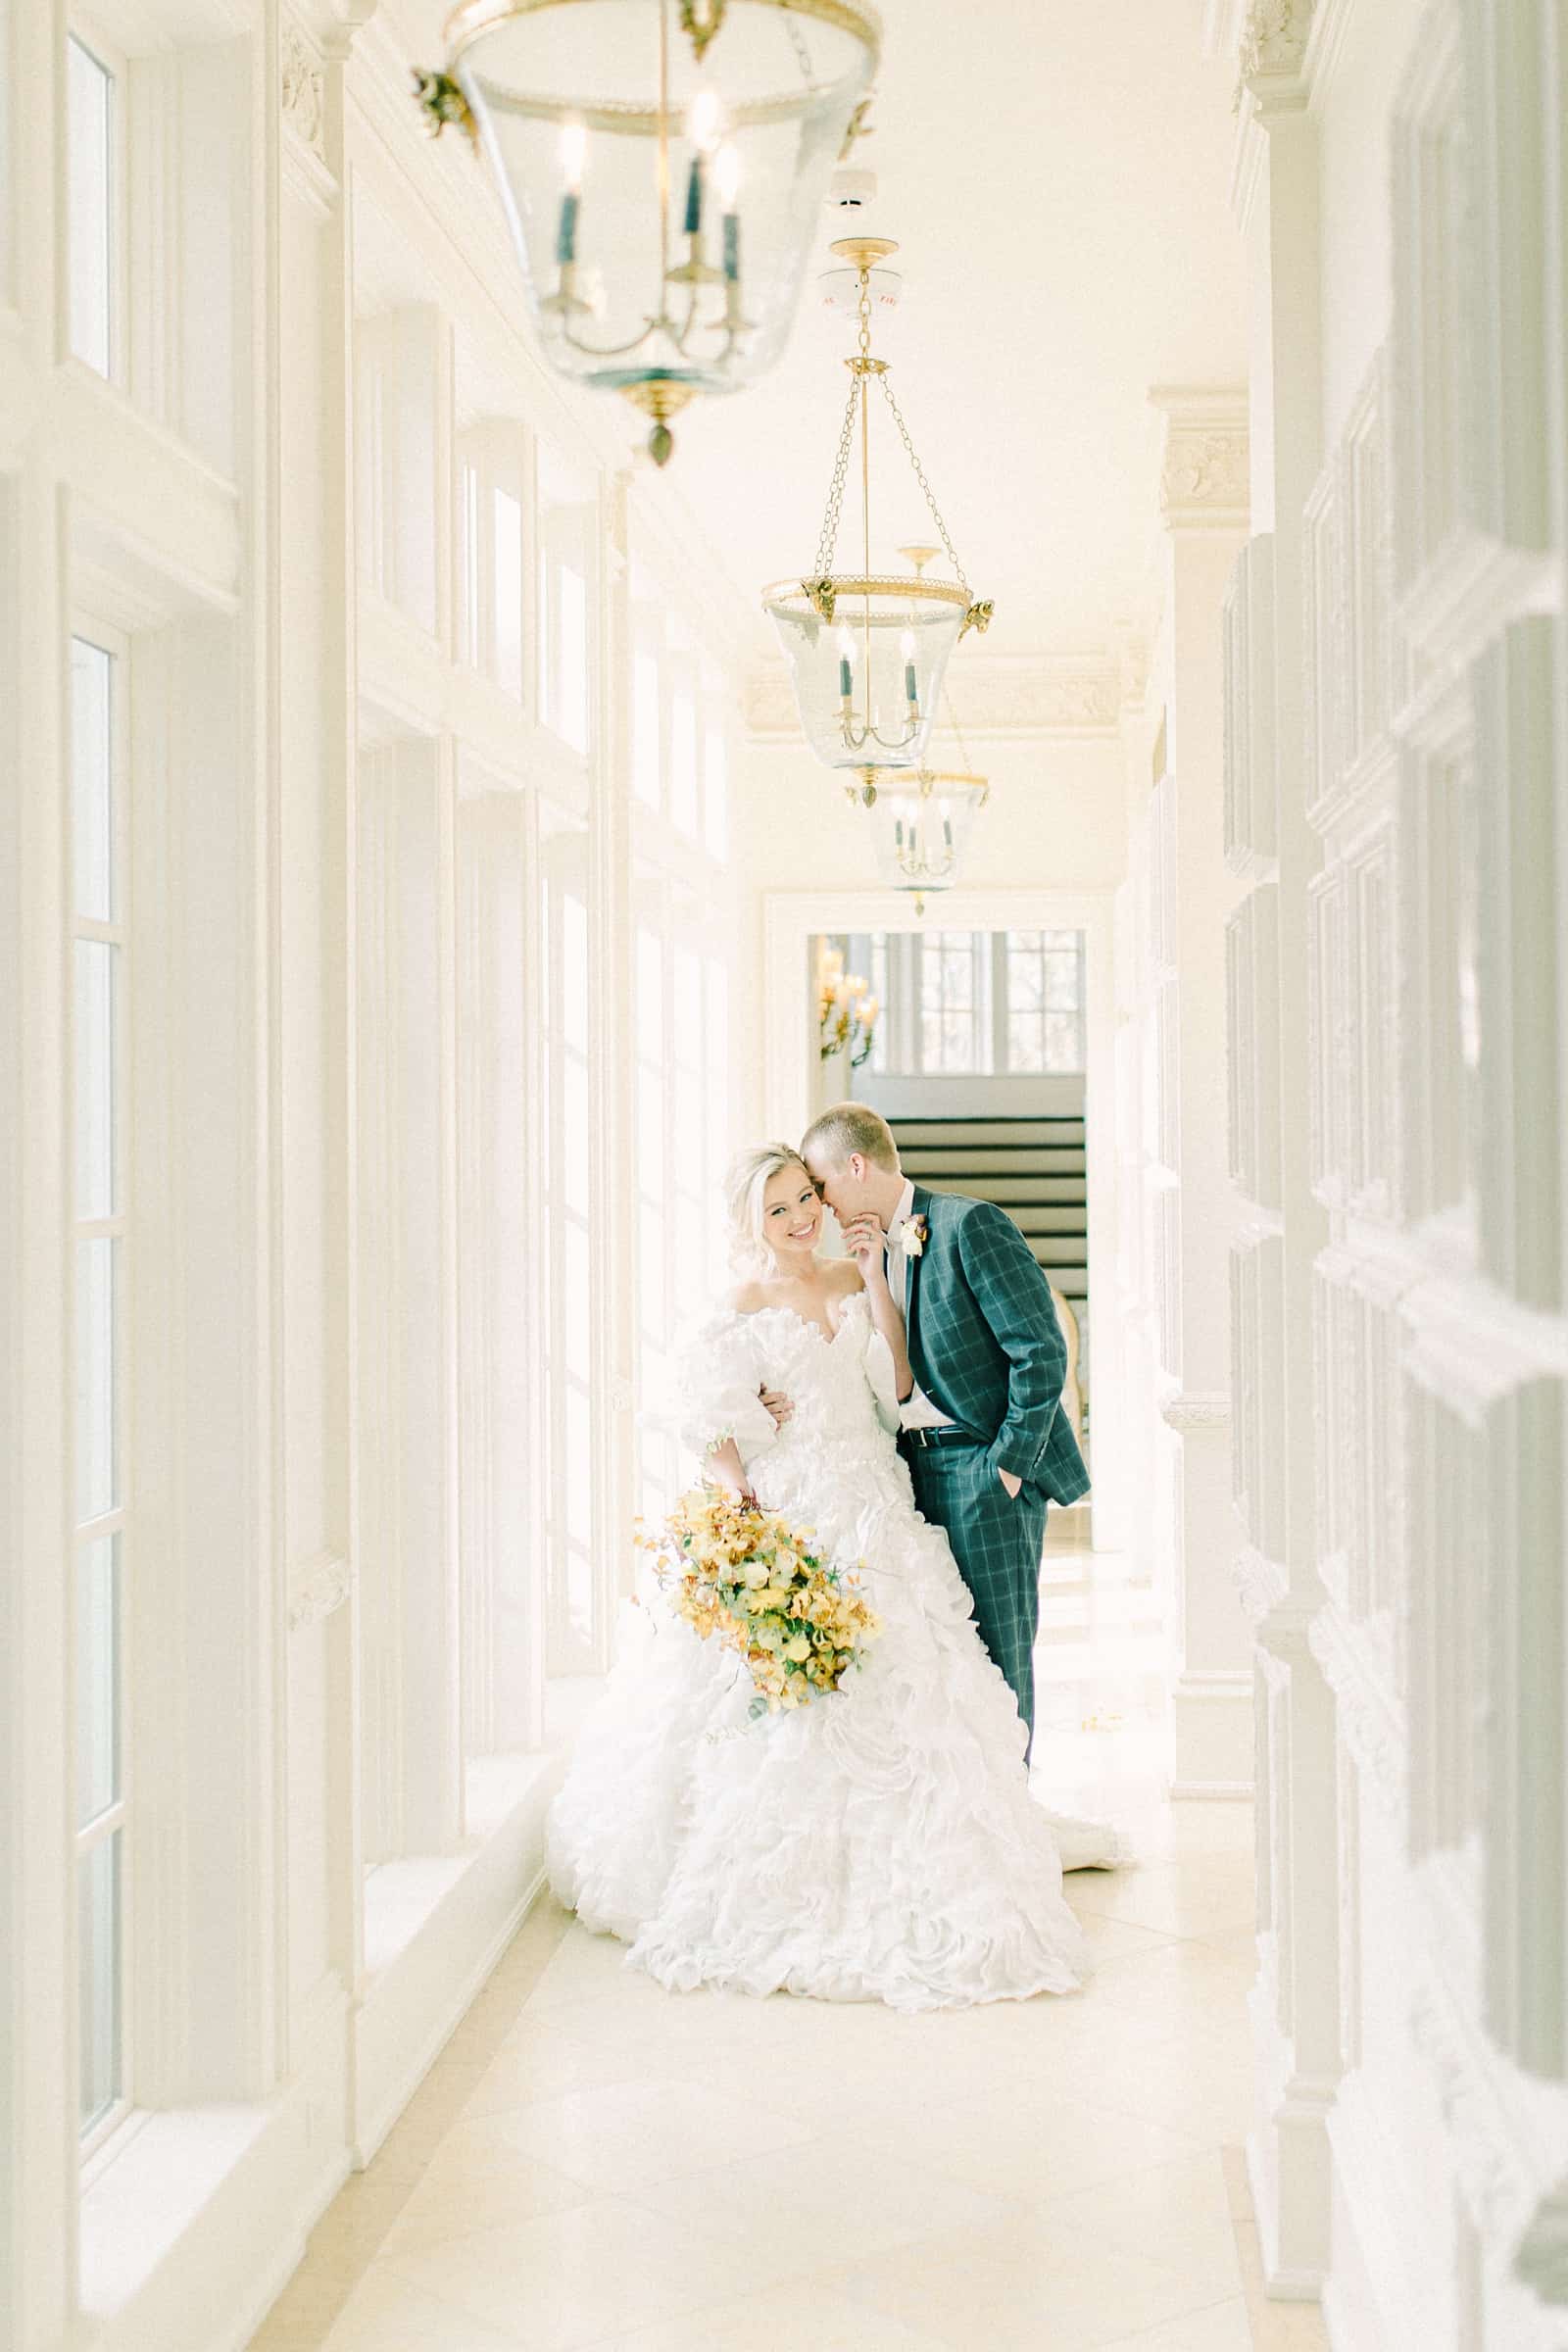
(914, 1233)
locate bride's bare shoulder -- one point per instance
(843, 1275)
(746, 1299)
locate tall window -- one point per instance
(976, 1004)
(93, 173)
(568, 510)
(490, 554)
(1044, 1001)
(98, 947)
(682, 1120)
(566, 1269)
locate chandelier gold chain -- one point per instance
(827, 544)
(959, 571)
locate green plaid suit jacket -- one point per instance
(985, 1343)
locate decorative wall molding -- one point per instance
(1204, 458)
(1196, 1410)
(303, 89)
(1261, 1583)
(1370, 1721)
(316, 1588)
(1003, 698)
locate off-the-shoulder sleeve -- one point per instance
(883, 1376)
(717, 1384)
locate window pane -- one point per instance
(470, 511)
(508, 514)
(683, 761)
(97, 1677)
(91, 102)
(96, 1467)
(571, 704)
(577, 1301)
(1023, 982)
(1025, 1044)
(1063, 1042)
(91, 779)
(575, 1136)
(645, 729)
(98, 1958)
(715, 785)
(1061, 983)
(574, 972)
(95, 1077)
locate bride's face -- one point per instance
(792, 1216)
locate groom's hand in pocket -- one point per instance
(1011, 1483)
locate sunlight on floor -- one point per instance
(595, 2163)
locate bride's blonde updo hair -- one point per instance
(746, 1179)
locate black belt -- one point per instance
(947, 1434)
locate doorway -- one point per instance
(992, 1057)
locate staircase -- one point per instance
(1032, 1167)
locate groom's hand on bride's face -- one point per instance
(1009, 1482)
(777, 1404)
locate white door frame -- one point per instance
(792, 917)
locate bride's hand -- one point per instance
(864, 1240)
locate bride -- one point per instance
(881, 1842)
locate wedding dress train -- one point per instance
(878, 1844)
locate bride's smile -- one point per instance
(791, 1214)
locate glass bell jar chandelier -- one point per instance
(921, 818)
(661, 164)
(867, 652)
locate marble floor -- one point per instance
(595, 2163)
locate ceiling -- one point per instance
(1056, 173)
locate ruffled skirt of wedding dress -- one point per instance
(879, 1844)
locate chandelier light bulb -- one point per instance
(573, 155)
(702, 120)
(727, 176)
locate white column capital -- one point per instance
(1203, 468)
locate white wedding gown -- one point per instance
(878, 1844)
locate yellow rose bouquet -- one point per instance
(745, 1577)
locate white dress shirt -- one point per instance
(917, 1410)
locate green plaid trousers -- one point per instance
(997, 1541)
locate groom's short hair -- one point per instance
(852, 1127)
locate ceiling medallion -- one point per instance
(867, 652)
(661, 168)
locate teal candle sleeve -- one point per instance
(694, 198)
(846, 680)
(911, 693)
(732, 248)
(566, 231)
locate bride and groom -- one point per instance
(905, 1403)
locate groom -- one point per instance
(984, 1433)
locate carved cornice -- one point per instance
(316, 1588)
(1072, 695)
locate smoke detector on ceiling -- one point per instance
(851, 190)
(850, 200)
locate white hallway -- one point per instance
(408, 866)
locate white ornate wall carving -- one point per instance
(1421, 871)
